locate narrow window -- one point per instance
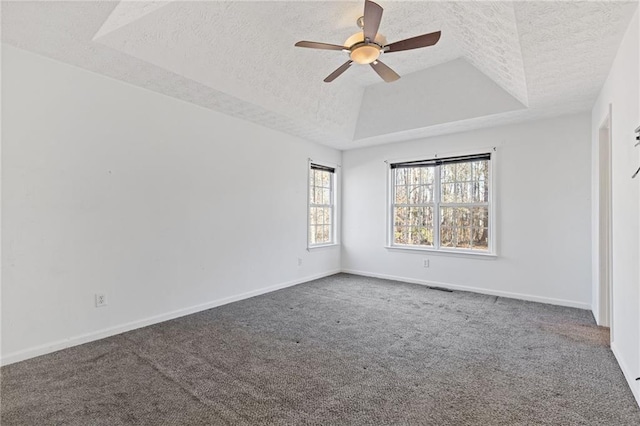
(442, 204)
(321, 205)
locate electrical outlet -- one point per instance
(425, 263)
(299, 261)
(101, 300)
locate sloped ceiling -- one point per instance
(497, 62)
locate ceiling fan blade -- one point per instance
(316, 45)
(337, 72)
(414, 42)
(384, 71)
(372, 18)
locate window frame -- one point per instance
(438, 204)
(334, 189)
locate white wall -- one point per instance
(543, 214)
(164, 206)
(622, 92)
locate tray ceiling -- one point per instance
(526, 59)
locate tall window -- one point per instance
(321, 205)
(442, 204)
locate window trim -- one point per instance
(335, 211)
(492, 250)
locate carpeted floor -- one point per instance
(344, 350)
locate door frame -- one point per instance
(605, 248)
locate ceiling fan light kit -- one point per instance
(362, 51)
(366, 47)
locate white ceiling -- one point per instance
(497, 61)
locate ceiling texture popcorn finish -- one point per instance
(528, 59)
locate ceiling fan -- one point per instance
(366, 47)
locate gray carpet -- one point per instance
(342, 350)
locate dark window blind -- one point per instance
(439, 161)
(321, 167)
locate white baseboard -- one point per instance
(112, 331)
(509, 295)
(626, 371)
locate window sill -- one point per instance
(322, 246)
(454, 253)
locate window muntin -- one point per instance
(321, 205)
(442, 204)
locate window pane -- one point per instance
(424, 217)
(400, 235)
(326, 215)
(455, 237)
(447, 174)
(414, 185)
(413, 216)
(326, 196)
(447, 216)
(463, 238)
(466, 192)
(455, 216)
(428, 191)
(465, 182)
(313, 216)
(427, 175)
(413, 236)
(413, 226)
(326, 234)
(320, 234)
(480, 217)
(463, 216)
(422, 194)
(464, 227)
(414, 195)
(401, 194)
(447, 236)
(401, 215)
(480, 170)
(414, 175)
(319, 216)
(478, 194)
(485, 196)
(447, 192)
(480, 238)
(452, 192)
(463, 171)
(312, 234)
(481, 177)
(326, 179)
(422, 236)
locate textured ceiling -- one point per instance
(550, 58)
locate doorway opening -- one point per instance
(604, 226)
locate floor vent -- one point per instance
(441, 289)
